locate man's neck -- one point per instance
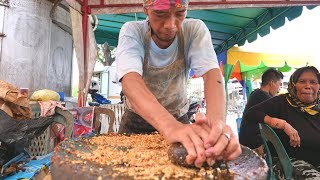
(161, 44)
(265, 89)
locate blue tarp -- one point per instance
(32, 168)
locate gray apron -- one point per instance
(168, 84)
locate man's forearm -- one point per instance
(215, 95)
(144, 102)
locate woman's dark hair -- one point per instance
(298, 72)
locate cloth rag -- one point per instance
(48, 107)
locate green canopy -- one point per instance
(227, 26)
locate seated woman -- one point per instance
(296, 119)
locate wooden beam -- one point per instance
(133, 6)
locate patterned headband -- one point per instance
(164, 4)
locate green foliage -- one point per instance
(74, 92)
(101, 54)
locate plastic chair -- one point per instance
(65, 118)
(97, 124)
(118, 110)
(268, 135)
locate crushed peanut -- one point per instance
(138, 156)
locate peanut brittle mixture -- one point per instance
(140, 157)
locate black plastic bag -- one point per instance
(15, 135)
(6, 152)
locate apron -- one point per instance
(168, 84)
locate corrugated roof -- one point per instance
(227, 26)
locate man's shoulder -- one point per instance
(258, 96)
(259, 92)
(192, 27)
(134, 27)
(192, 23)
(134, 23)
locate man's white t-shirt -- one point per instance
(198, 49)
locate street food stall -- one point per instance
(260, 23)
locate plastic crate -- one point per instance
(118, 110)
(42, 144)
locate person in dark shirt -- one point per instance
(295, 118)
(249, 130)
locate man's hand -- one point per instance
(226, 147)
(221, 142)
(190, 136)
